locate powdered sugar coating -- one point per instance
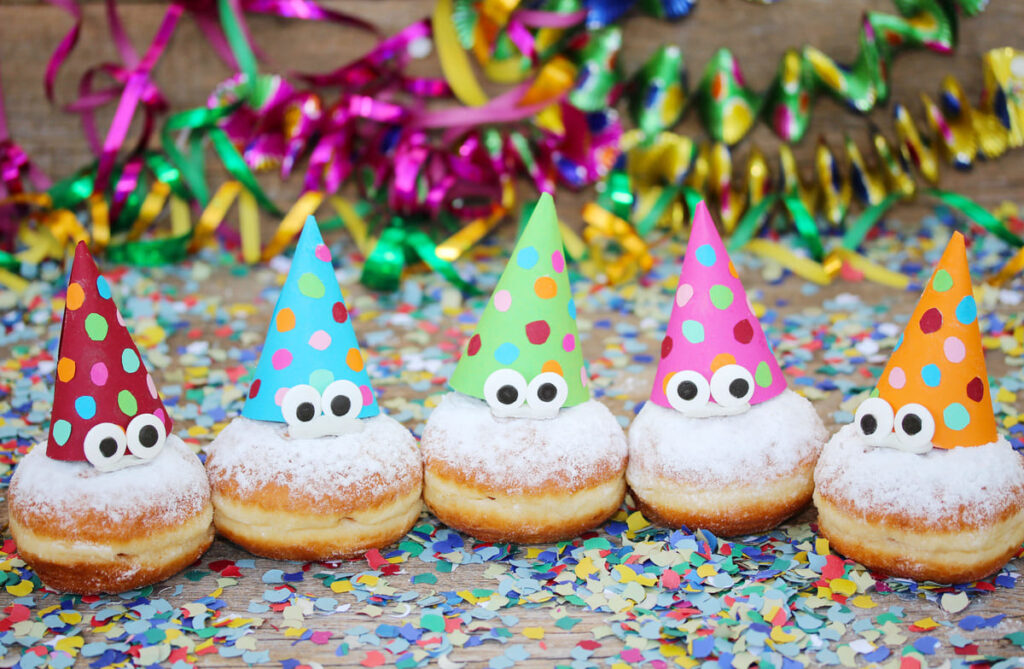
(171, 486)
(520, 455)
(257, 453)
(972, 485)
(772, 439)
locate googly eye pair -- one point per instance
(106, 443)
(302, 403)
(913, 424)
(506, 390)
(731, 387)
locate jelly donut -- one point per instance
(519, 452)
(313, 470)
(112, 501)
(722, 444)
(921, 485)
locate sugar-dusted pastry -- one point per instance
(313, 469)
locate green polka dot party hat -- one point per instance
(310, 347)
(524, 357)
(106, 409)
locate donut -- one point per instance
(733, 475)
(321, 498)
(522, 480)
(88, 531)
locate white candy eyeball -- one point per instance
(548, 392)
(342, 399)
(732, 386)
(915, 428)
(687, 391)
(105, 445)
(301, 405)
(146, 435)
(874, 419)
(505, 390)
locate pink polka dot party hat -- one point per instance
(311, 364)
(106, 409)
(715, 357)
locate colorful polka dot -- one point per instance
(967, 310)
(66, 369)
(569, 342)
(666, 346)
(706, 255)
(721, 296)
(96, 327)
(956, 416)
(320, 340)
(507, 353)
(281, 358)
(931, 321)
(976, 389)
(683, 294)
(321, 378)
(693, 331)
(367, 394)
(552, 366)
(899, 342)
(322, 252)
(285, 320)
(743, 331)
(942, 281)
(118, 316)
(339, 312)
(954, 349)
(931, 375)
(99, 373)
(354, 359)
(545, 288)
(557, 261)
(126, 403)
(102, 287)
(85, 407)
(572, 308)
(61, 431)
(763, 374)
(584, 379)
(129, 361)
(502, 300)
(537, 332)
(527, 257)
(473, 347)
(151, 385)
(721, 360)
(897, 377)
(254, 389)
(76, 297)
(311, 286)
(732, 270)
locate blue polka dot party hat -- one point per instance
(310, 345)
(526, 346)
(104, 397)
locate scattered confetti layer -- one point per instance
(629, 594)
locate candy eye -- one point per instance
(342, 399)
(548, 391)
(874, 419)
(105, 445)
(146, 435)
(915, 427)
(301, 405)
(505, 389)
(687, 391)
(732, 386)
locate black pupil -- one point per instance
(911, 424)
(868, 424)
(148, 436)
(687, 390)
(547, 392)
(108, 447)
(340, 405)
(508, 394)
(305, 412)
(739, 388)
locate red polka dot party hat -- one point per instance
(310, 345)
(525, 352)
(714, 350)
(936, 375)
(105, 403)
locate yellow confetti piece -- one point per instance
(584, 568)
(780, 635)
(843, 586)
(705, 570)
(70, 617)
(926, 624)
(863, 602)
(636, 522)
(368, 579)
(70, 644)
(21, 589)
(533, 632)
(468, 596)
(341, 586)
(295, 631)
(821, 546)
(1005, 395)
(533, 552)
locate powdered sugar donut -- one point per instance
(519, 479)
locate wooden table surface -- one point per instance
(757, 34)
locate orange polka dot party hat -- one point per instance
(311, 363)
(934, 390)
(106, 408)
(524, 357)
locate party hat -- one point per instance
(105, 403)
(713, 335)
(528, 330)
(939, 363)
(310, 342)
